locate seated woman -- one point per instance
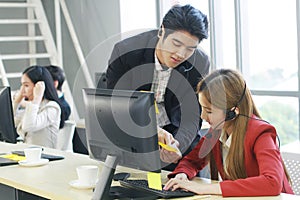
(37, 108)
(240, 147)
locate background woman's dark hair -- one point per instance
(186, 18)
(37, 73)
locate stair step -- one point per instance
(20, 38)
(16, 5)
(24, 56)
(19, 21)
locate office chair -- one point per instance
(292, 163)
(65, 136)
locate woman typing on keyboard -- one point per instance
(240, 147)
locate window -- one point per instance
(199, 4)
(137, 16)
(272, 43)
(263, 46)
(270, 62)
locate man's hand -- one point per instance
(168, 139)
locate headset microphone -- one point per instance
(211, 138)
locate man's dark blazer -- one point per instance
(131, 67)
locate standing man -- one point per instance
(167, 62)
(58, 76)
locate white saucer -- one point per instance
(76, 184)
(33, 164)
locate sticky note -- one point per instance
(154, 180)
(156, 108)
(155, 104)
(167, 147)
(13, 157)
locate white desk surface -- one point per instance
(52, 180)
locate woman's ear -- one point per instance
(237, 111)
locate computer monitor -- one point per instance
(121, 130)
(7, 125)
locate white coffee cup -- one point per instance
(33, 154)
(87, 174)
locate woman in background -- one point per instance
(37, 108)
(240, 147)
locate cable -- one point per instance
(188, 69)
(209, 141)
(209, 135)
(254, 118)
(277, 136)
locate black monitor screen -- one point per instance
(121, 130)
(122, 124)
(7, 126)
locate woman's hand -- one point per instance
(38, 92)
(18, 96)
(181, 176)
(167, 138)
(198, 188)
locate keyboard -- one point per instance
(142, 185)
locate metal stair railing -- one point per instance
(46, 37)
(76, 44)
(45, 30)
(3, 73)
(35, 16)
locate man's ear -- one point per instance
(161, 31)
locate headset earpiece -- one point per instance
(230, 114)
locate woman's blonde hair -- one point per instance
(226, 89)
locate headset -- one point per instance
(231, 114)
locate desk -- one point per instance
(51, 181)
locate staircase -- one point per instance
(26, 39)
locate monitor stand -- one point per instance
(104, 191)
